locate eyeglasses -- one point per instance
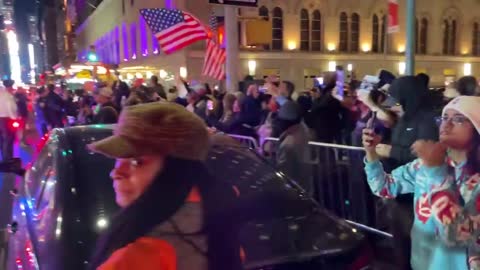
(456, 120)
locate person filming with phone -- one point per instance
(444, 179)
(416, 122)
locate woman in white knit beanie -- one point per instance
(445, 181)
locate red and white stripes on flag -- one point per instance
(181, 35)
(215, 57)
(174, 28)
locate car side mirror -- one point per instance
(13, 165)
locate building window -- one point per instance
(123, 7)
(277, 29)
(355, 33)
(316, 31)
(476, 39)
(423, 36)
(239, 27)
(143, 36)
(133, 40)
(446, 34)
(452, 50)
(263, 12)
(449, 37)
(375, 29)
(304, 30)
(383, 34)
(343, 32)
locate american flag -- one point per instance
(215, 57)
(214, 25)
(174, 28)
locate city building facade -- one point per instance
(308, 37)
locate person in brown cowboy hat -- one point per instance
(170, 202)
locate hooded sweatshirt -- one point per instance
(418, 121)
(446, 230)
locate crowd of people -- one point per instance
(420, 143)
(400, 121)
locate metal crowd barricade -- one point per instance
(249, 142)
(340, 184)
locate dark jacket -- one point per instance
(53, 109)
(120, 91)
(236, 124)
(292, 155)
(418, 121)
(251, 111)
(108, 114)
(158, 88)
(22, 101)
(326, 118)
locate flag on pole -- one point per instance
(215, 57)
(393, 24)
(173, 28)
(214, 25)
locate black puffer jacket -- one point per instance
(418, 121)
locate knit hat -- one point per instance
(468, 106)
(156, 128)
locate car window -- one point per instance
(44, 196)
(37, 175)
(95, 195)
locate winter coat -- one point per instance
(446, 206)
(22, 105)
(53, 109)
(158, 88)
(292, 155)
(326, 118)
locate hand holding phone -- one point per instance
(210, 105)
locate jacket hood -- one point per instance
(409, 92)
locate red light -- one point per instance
(15, 124)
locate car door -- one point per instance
(32, 212)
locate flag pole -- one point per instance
(410, 48)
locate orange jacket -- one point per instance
(155, 253)
(147, 253)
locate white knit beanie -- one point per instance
(469, 107)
